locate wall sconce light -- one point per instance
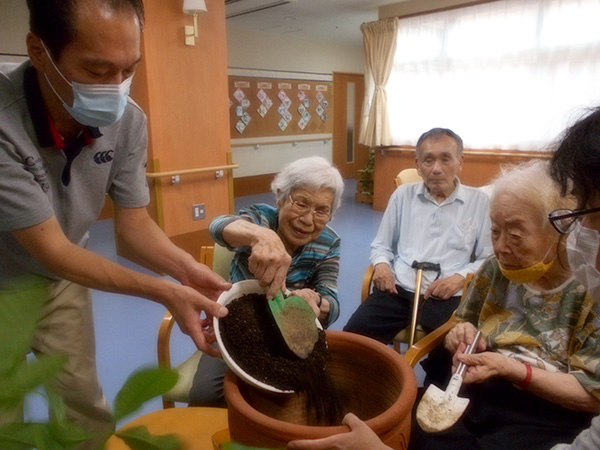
(192, 7)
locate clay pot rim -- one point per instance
(379, 424)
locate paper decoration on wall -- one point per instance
(304, 120)
(301, 95)
(301, 109)
(239, 95)
(285, 100)
(262, 110)
(322, 106)
(282, 124)
(265, 101)
(240, 110)
(246, 118)
(320, 110)
(306, 103)
(240, 126)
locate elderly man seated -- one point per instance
(438, 220)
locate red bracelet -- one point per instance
(527, 380)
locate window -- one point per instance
(505, 75)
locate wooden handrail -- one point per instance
(188, 171)
(507, 153)
(274, 140)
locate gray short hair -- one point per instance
(437, 133)
(313, 172)
(531, 183)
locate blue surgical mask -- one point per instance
(583, 245)
(95, 105)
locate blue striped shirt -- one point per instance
(314, 265)
(415, 227)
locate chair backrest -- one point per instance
(218, 258)
(407, 176)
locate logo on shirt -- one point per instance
(104, 157)
(35, 166)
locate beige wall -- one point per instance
(14, 24)
(414, 7)
(266, 51)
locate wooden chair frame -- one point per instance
(421, 335)
(166, 326)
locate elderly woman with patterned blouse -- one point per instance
(288, 246)
(535, 377)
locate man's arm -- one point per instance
(48, 244)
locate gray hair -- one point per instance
(436, 133)
(313, 172)
(530, 182)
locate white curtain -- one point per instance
(505, 75)
(379, 41)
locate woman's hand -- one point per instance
(462, 333)
(483, 366)
(269, 261)
(311, 297)
(360, 437)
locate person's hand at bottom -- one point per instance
(360, 437)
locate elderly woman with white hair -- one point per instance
(287, 246)
(533, 379)
(535, 376)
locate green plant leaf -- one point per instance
(39, 371)
(20, 308)
(142, 386)
(138, 438)
(42, 436)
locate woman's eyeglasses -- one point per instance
(563, 220)
(300, 208)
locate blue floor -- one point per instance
(126, 327)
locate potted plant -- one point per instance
(364, 186)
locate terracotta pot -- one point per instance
(373, 381)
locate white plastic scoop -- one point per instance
(439, 410)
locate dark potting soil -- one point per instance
(254, 342)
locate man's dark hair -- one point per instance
(53, 21)
(436, 133)
(575, 164)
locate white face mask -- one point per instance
(95, 105)
(583, 245)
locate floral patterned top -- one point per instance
(557, 330)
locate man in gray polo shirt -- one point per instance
(69, 135)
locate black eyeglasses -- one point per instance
(563, 220)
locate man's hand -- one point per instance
(444, 288)
(187, 310)
(360, 437)
(383, 278)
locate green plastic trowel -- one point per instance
(296, 321)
